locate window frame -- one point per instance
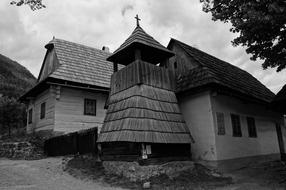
(236, 125)
(30, 116)
(220, 122)
(85, 108)
(251, 127)
(43, 110)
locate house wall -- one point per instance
(46, 123)
(69, 110)
(229, 147)
(197, 112)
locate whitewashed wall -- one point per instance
(69, 110)
(229, 147)
(198, 116)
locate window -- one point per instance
(236, 127)
(43, 110)
(30, 116)
(175, 65)
(89, 107)
(251, 127)
(220, 123)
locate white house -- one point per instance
(227, 110)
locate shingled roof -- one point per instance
(81, 64)
(140, 37)
(212, 70)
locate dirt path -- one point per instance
(45, 174)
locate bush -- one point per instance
(12, 115)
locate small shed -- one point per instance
(143, 119)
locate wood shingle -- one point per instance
(212, 70)
(81, 64)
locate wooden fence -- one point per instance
(80, 142)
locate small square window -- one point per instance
(89, 107)
(220, 123)
(30, 116)
(43, 110)
(236, 127)
(251, 127)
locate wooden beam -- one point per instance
(80, 87)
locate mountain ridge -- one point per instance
(15, 79)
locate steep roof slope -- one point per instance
(214, 70)
(15, 79)
(140, 38)
(81, 64)
(139, 35)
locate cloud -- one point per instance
(100, 23)
(126, 8)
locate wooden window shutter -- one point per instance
(220, 123)
(30, 116)
(89, 107)
(236, 126)
(43, 110)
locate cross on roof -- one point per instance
(137, 19)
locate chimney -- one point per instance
(106, 49)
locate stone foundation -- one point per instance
(134, 172)
(19, 150)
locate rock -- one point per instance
(19, 150)
(134, 172)
(146, 185)
(132, 169)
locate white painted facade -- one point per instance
(200, 114)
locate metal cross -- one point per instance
(137, 20)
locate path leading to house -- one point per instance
(45, 174)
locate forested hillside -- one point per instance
(14, 78)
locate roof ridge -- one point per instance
(78, 44)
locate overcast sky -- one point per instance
(97, 23)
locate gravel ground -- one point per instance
(45, 174)
(51, 174)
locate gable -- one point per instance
(49, 65)
(181, 63)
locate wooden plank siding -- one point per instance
(69, 110)
(142, 72)
(50, 64)
(46, 123)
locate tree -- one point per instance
(261, 25)
(12, 114)
(33, 4)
